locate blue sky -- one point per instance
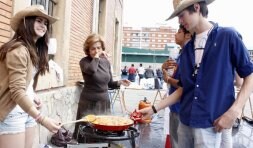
(232, 13)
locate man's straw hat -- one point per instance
(34, 10)
(180, 5)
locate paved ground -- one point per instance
(152, 135)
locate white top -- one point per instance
(199, 44)
(30, 93)
(141, 70)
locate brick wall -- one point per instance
(5, 15)
(81, 26)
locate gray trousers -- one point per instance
(174, 123)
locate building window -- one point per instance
(145, 34)
(135, 45)
(145, 45)
(136, 39)
(48, 5)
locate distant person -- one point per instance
(159, 74)
(149, 72)
(96, 71)
(131, 73)
(124, 73)
(141, 71)
(209, 58)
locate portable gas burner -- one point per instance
(90, 134)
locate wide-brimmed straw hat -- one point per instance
(180, 5)
(34, 10)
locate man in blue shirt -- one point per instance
(207, 67)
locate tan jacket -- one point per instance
(15, 76)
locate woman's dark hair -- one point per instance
(203, 8)
(24, 35)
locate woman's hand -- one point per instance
(125, 82)
(103, 54)
(52, 125)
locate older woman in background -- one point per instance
(96, 71)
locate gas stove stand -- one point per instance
(130, 134)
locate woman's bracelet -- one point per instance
(38, 117)
(154, 109)
(41, 120)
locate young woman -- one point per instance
(96, 71)
(22, 59)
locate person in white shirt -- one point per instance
(141, 72)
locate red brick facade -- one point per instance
(5, 15)
(81, 24)
(148, 37)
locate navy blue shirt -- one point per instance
(175, 107)
(210, 93)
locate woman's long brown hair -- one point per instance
(38, 51)
(24, 36)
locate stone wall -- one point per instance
(59, 104)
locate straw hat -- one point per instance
(34, 10)
(180, 5)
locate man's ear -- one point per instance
(196, 7)
(188, 36)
